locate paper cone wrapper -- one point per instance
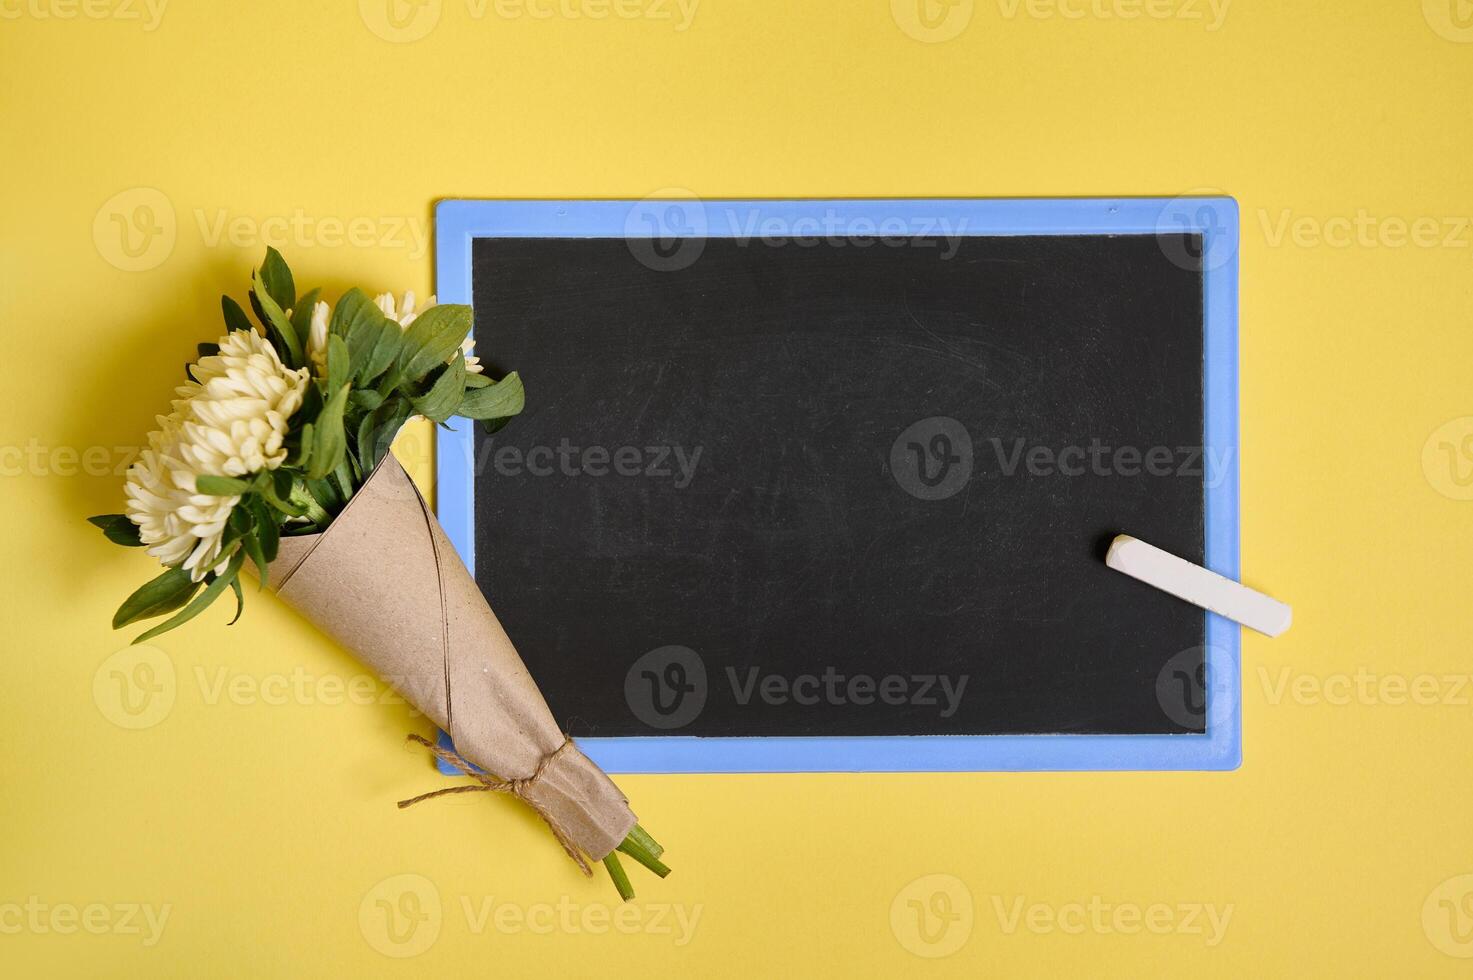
(384, 581)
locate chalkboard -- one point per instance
(847, 483)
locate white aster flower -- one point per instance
(406, 313)
(231, 420)
(317, 338)
(472, 362)
(179, 525)
(236, 411)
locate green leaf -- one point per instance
(505, 398)
(342, 478)
(118, 529)
(268, 526)
(328, 441)
(284, 505)
(252, 545)
(312, 402)
(431, 340)
(364, 441)
(372, 337)
(237, 526)
(444, 396)
(222, 486)
(353, 309)
(365, 399)
(377, 431)
(350, 462)
(271, 495)
(382, 352)
(337, 362)
(278, 279)
(240, 602)
(323, 496)
(235, 318)
(325, 493)
(302, 317)
(201, 601)
(282, 334)
(304, 451)
(154, 598)
(477, 381)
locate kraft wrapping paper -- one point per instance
(384, 582)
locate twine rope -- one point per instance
(519, 788)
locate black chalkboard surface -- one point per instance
(819, 489)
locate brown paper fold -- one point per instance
(384, 581)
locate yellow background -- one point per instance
(265, 823)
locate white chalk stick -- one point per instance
(1198, 586)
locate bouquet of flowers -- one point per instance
(276, 453)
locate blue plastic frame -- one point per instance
(458, 223)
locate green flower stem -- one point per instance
(644, 857)
(641, 846)
(644, 849)
(621, 880)
(302, 497)
(641, 837)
